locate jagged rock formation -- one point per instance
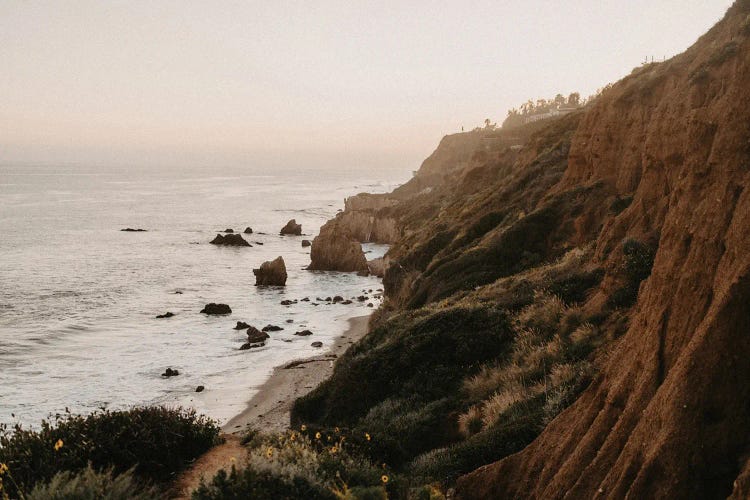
(235, 240)
(271, 273)
(377, 267)
(291, 228)
(335, 250)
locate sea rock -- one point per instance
(213, 308)
(346, 302)
(131, 230)
(361, 298)
(271, 328)
(306, 243)
(241, 325)
(304, 333)
(251, 345)
(291, 228)
(271, 273)
(234, 240)
(369, 304)
(170, 373)
(335, 250)
(200, 388)
(338, 298)
(317, 344)
(229, 230)
(288, 302)
(377, 267)
(248, 230)
(165, 315)
(254, 335)
(290, 321)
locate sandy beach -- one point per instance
(269, 409)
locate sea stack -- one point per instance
(271, 273)
(291, 228)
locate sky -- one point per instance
(303, 84)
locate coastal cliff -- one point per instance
(566, 303)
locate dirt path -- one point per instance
(225, 455)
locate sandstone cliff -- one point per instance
(566, 303)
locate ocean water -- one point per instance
(78, 297)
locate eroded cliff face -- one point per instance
(668, 415)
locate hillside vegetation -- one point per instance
(569, 294)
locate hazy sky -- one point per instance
(360, 84)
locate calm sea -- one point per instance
(78, 297)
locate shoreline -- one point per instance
(269, 409)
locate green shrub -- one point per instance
(92, 485)
(638, 260)
(424, 356)
(156, 442)
(306, 464)
(249, 483)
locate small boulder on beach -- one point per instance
(165, 315)
(271, 328)
(287, 302)
(200, 388)
(213, 308)
(232, 240)
(248, 230)
(338, 298)
(306, 243)
(170, 373)
(291, 228)
(229, 230)
(304, 333)
(317, 344)
(271, 273)
(241, 325)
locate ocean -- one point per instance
(78, 297)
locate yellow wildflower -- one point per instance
(269, 452)
(58, 444)
(293, 437)
(317, 435)
(367, 436)
(303, 428)
(384, 478)
(3, 468)
(337, 430)
(329, 438)
(232, 459)
(334, 449)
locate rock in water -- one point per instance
(335, 250)
(165, 315)
(213, 308)
(131, 230)
(304, 333)
(248, 230)
(306, 243)
(317, 344)
(292, 228)
(271, 328)
(241, 325)
(271, 273)
(255, 336)
(228, 230)
(200, 388)
(234, 240)
(170, 373)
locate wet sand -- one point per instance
(269, 409)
